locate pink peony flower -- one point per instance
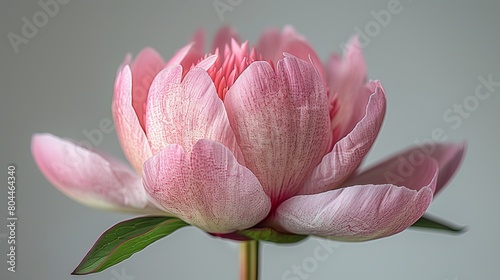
(250, 137)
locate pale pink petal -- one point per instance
(348, 152)
(289, 33)
(184, 111)
(397, 168)
(281, 122)
(298, 46)
(206, 63)
(223, 38)
(130, 133)
(346, 79)
(361, 212)
(126, 61)
(188, 56)
(207, 187)
(144, 68)
(89, 178)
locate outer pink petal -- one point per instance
(132, 137)
(399, 167)
(449, 157)
(144, 68)
(224, 37)
(346, 79)
(182, 112)
(348, 152)
(207, 187)
(361, 212)
(281, 123)
(88, 177)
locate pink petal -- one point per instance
(144, 68)
(346, 79)
(206, 63)
(361, 212)
(207, 187)
(298, 46)
(224, 37)
(88, 177)
(189, 55)
(184, 111)
(449, 157)
(268, 42)
(132, 137)
(348, 152)
(198, 40)
(273, 45)
(281, 123)
(397, 168)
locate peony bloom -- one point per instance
(253, 137)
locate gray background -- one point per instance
(429, 57)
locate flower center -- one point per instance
(230, 63)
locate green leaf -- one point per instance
(271, 235)
(434, 223)
(124, 239)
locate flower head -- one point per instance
(253, 136)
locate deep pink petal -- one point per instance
(198, 40)
(184, 111)
(206, 187)
(396, 169)
(223, 38)
(87, 177)
(362, 212)
(144, 68)
(268, 42)
(346, 79)
(348, 152)
(449, 157)
(281, 122)
(130, 133)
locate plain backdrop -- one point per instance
(429, 57)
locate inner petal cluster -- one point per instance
(230, 63)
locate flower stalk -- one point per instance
(249, 260)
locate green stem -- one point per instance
(249, 260)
